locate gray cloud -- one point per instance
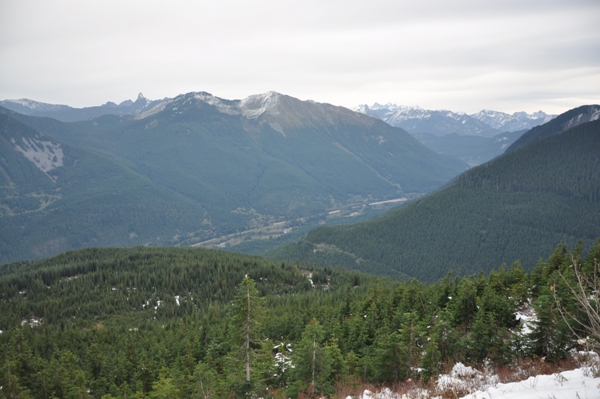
(459, 55)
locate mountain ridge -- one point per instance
(485, 123)
(524, 202)
(66, 113)
(253, 163)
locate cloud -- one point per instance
(461, 55)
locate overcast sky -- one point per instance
(522, 55)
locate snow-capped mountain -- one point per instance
(418, 120)
(441, 122)
(66, 113)
(26, 106)
(281, 112)
(128, 106)
(510, 123)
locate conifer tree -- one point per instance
(311, 359)
(246, 315)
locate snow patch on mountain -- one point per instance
(592, 113)
(254, 106)
(45, 155)
(250, 107)
(154, 110)
(217, 102)
(34, 105)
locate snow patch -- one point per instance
(33, 322)
(578, 383)
(385, 393)
(36, 105)
(465, 378)
(254, 106)
(216, 102)
(154, 110)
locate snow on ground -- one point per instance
(527, 317)
(573, 384)
(464, 378)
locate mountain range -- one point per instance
(66, 113)
(474, 139)
(413, 119)
(541, 193)
(201, 167)
(484, 123)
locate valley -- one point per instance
(270, 234)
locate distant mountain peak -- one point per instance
(250, 107)
(415, 120)
(517, 121)
(23, 104)
(254, 106)
(487, 123)
(141, 101)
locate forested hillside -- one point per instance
(54, 197)
(518, 206)
(229, 167)
(474, 150)
(183, 323)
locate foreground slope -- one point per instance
(55, 197)
(518, 206)
(188, 323)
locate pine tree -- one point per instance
(391, 358)
(246, 315)
(311, 359)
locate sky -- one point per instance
(461, 55)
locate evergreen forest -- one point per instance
(518, 206)
(188, 323)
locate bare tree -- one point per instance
(585, 288)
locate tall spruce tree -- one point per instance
(246, 314)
